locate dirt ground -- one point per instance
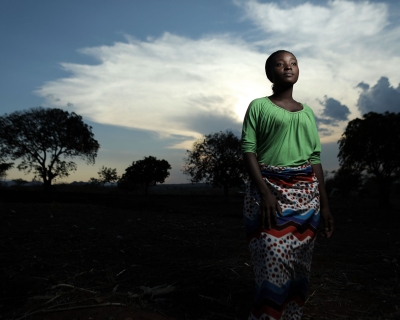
(113, 256)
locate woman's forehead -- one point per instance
(284, 56)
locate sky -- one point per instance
(151, 77)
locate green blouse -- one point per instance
(280, 137)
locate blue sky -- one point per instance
(151, 77)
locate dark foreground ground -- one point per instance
(77, 256)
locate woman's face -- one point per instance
(285, 69)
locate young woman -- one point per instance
(285, 193)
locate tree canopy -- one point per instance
(106, 175)
(371, 145)
(216, 159)
(44, 140)
(146, 172)
(4, 167)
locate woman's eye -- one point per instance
(279, 64)
(294, 63)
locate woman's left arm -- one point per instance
(325, 211)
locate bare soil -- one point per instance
(121, 256)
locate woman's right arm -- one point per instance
(269, 205)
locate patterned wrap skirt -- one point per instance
(281, 256)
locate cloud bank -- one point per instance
(379, 98)
(334, 110)
(170, 85)
(177, 86)
(332, 114)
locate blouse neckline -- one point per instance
(284, 108)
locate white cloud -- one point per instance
(168, 85)
(179, 86)
(339, 23)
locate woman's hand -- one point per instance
(328, 222)
(269, 206)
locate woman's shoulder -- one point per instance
(259, 101)
(258, 104)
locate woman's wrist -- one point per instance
(264, 191)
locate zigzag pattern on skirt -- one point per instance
(281, 256)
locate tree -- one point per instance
(4, 167)
(106, 175)
(346, 180)
(371, 145)
(216, 159)
(147, 172)
(44, 139)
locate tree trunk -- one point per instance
(46, 184)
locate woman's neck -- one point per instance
(282, 94)
(283, 98)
